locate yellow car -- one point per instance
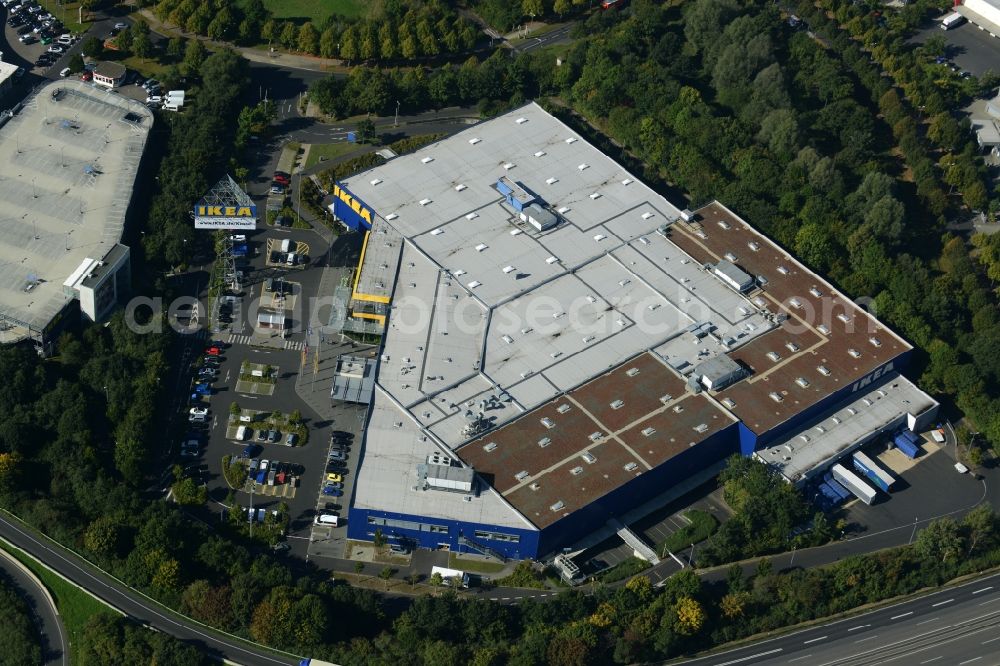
(336, 478)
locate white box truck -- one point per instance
(451, 577)
(242, 433)
(285, 246)
(952, 20)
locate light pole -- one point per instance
(395, 123)
(912, 533)
(253, 489)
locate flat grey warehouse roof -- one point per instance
(69, 168)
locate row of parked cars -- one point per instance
(272, 473)
(336, 465)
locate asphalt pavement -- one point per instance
(55, 647)
(972, 49)
(953, 626)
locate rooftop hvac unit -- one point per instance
(490, 447)
(521, 476)
(576, 471)
(563, 408)
(558, 506)
(589, 458)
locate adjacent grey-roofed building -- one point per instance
(354, 380)
(446, 477)
(728, 272)
(718, 372)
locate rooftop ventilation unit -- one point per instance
(540, 153)
(701, 427)
(548, 423)
(551, 181)
(595, 195)
(875, 341)
(508, 270)
(515, 232)
(854, 353)
(729, 402)
(521, 476)
(687, 215)
(589, 458)
(782, 270)
(753, 246)
(474, 284)
(824, 329)
(852, 411)
(648, 432)
(521, 121)
(792, 347)
(802, 381)
(815, 292)
(563, 209)
(724, 224)
(617, 404)
(823, 370)
(490, 447)
(843, 317)
(535, 486)
(475, 140)
(647, 215)
(627, 182)
(460, 187)
(599, 237)
(665, 398)
(472, 216)
(630, 466)
(643, 240)
(590, 338)
(507, 339)
(583, 166)
(544, 441)
(804, 438)
(424, 202)
(459, 272)
(632, 372)
(730, 257)
(572, 139)
(508, 166)
(563, 408)
(678, 409)
(551, 260)
(595, 436)
(391, 216)
(795, 303)
(427, 160)
(774, 356)
(775, 396)
(558, 506)
(481, 247)
(375, 181)
(820, 429)
(437, 232)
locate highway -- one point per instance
(953, 626)
(55, 649)
(135, 605)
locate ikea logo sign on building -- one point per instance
(350, 210)
(225, 211)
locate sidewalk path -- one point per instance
(55, 647)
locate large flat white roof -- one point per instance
(69, 168)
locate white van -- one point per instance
(169, 106)
(65, 72)
(242, 433)
(952, 20)
(326, 519)
(290, 259)
(938, 435)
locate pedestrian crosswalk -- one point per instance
(239, 339)
(294, 345)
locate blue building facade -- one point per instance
(355, 214)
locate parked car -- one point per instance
(121, 26)
(335, 478)
(55, 48)
(87, 76)
(261, 435)
(19, 72)
(330, 491)
(64, 72)
(198, 411)
(281, 178)
(273, 436)
(337, 455)
(291, 439)
(253, 467)
(277, 189)
(213, 351)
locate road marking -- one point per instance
(926, 621)
(753, 656)
(813, 640)
(991, 640)
(942, 603)
(896, 617)
(799, 658)
(860, 626)
(969, 661)
(990, 601)
(862, 640)
(983, 590)
(930, 660)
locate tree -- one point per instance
(142, 46)
(532, 8)
(234, 408)
(359, 567)
(348, 44)
(366, 131)
(379, 540)
(733, 604)
(980, 526)
(101, 536)
(308, 38)
(289, 34)
(92, 47)
(561, 7)
(939, 541)
(295, 417)
(388, 48)
(75, 63)
(175, 48)
(194, 55)
(690, 616)
(436, 579)
(385, 575)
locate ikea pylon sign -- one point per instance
(350, 210)
(225, 217)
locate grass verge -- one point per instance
(316, 11)
(702, 526)
(67, 13)
(624, 569)
(75, 606)
(473, 566)
(524, 576)
(322, 152)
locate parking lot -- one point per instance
(972, 49)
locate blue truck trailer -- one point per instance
(906, 442)
(872, 471)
